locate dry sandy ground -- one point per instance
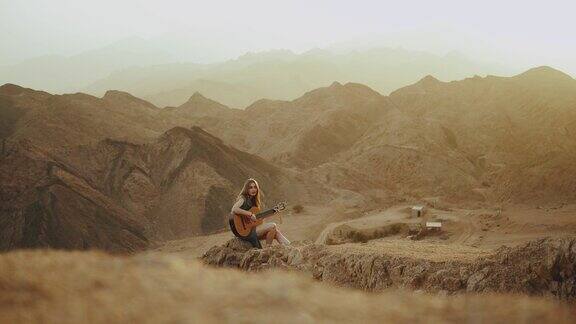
(78, 287)
(415, 250)
(482, 228)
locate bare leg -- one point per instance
(267, 231)
(270, 236)
(270, 231)
(281, 238)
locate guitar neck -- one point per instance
(265, 213)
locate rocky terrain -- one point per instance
(47, 203)
(514, 133)
(544, 267)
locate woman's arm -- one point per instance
(237, 210)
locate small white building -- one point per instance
(434, 225)
(417, 211)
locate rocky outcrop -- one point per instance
(237, 253)
(543, 267)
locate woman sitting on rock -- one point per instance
(249, 197)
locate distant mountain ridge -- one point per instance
(62, 74)
(283, 75)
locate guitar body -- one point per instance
(244, 225)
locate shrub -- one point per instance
(298, 209)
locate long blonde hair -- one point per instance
(245, 195)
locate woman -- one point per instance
(249, 197)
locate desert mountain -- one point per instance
(73, 119)
(514, 132)
(197, 106)
(303, 132)
(47, 203)
(495, 138)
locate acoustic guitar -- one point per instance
(244, 224)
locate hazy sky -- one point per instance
(522, 33)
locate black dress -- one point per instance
(252, 237)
